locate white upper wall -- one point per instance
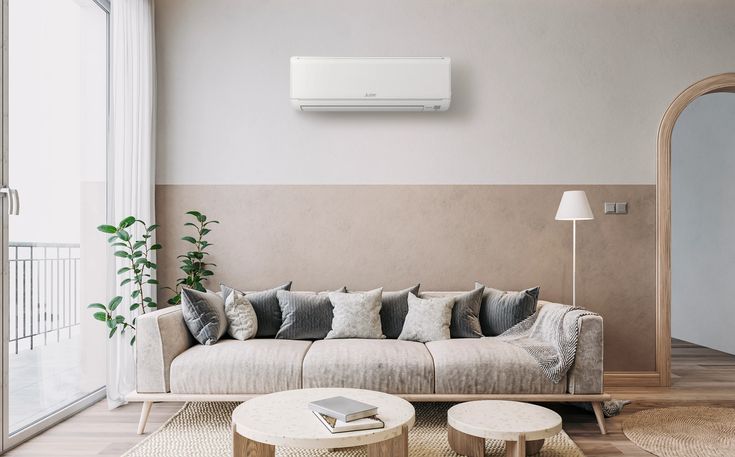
(544, 92)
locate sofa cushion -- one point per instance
(256, 366)
(394, 309)
(487, 366)
(428, 319)
(465, 320)
(393, 366)
(356, 315)
(305, 315)
(204, 314)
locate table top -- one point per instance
(284, 419)
(504, 420)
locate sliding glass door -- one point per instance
(54, 195)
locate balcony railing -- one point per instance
(44, 293)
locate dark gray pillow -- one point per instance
(501, 310)
(465, 315)
(267, 310)
(394, 309)
(305, 315)
(204, 315)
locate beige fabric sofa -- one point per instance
(171, 366)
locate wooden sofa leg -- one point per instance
(600, 416)
(147, 405)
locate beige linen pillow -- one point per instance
(428, 319)
(356, 315)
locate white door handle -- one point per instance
(13, 200)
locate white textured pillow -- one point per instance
(242, 323)
(356, 315)
(428, 319)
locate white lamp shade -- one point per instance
(574, 207)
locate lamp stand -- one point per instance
(574, 263)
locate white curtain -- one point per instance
(132, 144)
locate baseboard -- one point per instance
(632, 379)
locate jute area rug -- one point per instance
(203, 429)
(683, 431)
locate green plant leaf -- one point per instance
(112, 332)
(153, 305)
(112, 238)
(137, 254)
(123, 270)
(152, 281)
(122, 254)
(134, 306)
(156, 246)
(196, 214)
(152, 227)
(204, 231)
(119, 319)
(115, 302)
(107, 228)
(191, 224)
(100, 316)
(127, 222)
(138, 244)
(207, 273)
(132, 340)
(190, 239)
(125, 281)
(124, 235)
(135, 293)
(97, 306)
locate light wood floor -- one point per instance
(700, 376)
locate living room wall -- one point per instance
(546, 96)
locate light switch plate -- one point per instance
(610, 208)
(621, 208)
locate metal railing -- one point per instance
(44, 293)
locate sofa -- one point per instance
(171, 366)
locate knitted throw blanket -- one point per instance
(550, 337)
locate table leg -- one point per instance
(464, 444)
(394, 447)
(244, 447)
(516, 448)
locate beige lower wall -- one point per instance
(444, 236)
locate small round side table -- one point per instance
(522, 426)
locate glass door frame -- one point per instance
(9, 441)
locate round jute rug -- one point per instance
(683, 431)
(203, 429)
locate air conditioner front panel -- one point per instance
(374, 80)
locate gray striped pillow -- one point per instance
(394, 309)
(267, 311)
(465, 314)
(501, 310)
(305, 315)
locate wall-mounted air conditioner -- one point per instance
(371, 83)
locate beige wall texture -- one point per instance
(547, 96)
(446, 237)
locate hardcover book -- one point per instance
(343, 409)
(338, 426)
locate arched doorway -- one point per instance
(719, 83)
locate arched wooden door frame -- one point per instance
(719, 83)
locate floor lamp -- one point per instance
(574, 207)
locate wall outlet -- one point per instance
(610, 208)
(621, 208)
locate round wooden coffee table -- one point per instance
(522, 426)
(284, 419)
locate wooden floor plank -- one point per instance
(701, 376)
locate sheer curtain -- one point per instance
(132, 148)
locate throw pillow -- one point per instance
(242, 322)
(501, 310)
(356, 315)
(394, 309)
(428, 319)
(267, 310)
(304, 315)
(465, 315)
(204, 315)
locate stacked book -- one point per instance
(340, 414)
